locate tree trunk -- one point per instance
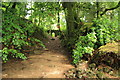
(97, 4)
(58, 17)
(68, 6)
(39, 20)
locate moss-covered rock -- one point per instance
(111, 47)
(107, 54)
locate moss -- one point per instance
(110, 47)
(108, 55)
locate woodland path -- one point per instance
(51, 63)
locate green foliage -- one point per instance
(39, 42)
(16, 32)
(11, 52)
(102, 32)
(106, 31)
(45, 14)
(84, 45)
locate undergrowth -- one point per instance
(16, 33)
(103, 31)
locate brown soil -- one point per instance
(49, 63)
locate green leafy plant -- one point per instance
(84, 45)
(16, 33)
(106, 31)
(103, 31)
(11, 52)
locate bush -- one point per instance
(16, 32)
(84, 45)
(103, 31)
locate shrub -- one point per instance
(103, 31)
(16, 32)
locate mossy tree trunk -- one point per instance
(72, 21)
(71, 18)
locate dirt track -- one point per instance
(50, 63)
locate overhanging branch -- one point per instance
(118, 5)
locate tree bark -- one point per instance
(68, 6)
(58, 16)
(97, 4)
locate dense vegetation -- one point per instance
(103, 28)
(99, 35)
(82, 27)
(17, 31)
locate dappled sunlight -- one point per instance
(60, 39)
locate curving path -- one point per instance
(50, 63)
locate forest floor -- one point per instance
(51, 62)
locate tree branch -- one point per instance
(110, 9)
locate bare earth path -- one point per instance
(51, 63)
